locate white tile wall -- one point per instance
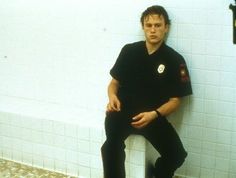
(54, 65)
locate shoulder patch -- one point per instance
(184, 76)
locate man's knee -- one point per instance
(106, 148)
(103, 148)
(165, 166)
(180, 159)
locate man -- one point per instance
(148, 81)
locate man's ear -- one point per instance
(167, 28)
(142, 24)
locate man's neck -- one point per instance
(151, 48)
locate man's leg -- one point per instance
(166, 141)
(113, 154)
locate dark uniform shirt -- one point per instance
(148, 81)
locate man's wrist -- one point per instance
(112, 96)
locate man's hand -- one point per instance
(143, 119)
(114, 104)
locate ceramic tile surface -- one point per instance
(9, 169)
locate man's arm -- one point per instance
(114, 102)
(144, 118)
(169, 107)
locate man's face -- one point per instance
(154, 28)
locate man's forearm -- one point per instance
(113, 88)
(169, 107)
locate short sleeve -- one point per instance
(118, 69)
(181, 84)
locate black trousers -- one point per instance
(160, 133)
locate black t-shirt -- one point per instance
(148, 81)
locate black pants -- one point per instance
(159, 133)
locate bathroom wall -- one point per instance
(55, 58)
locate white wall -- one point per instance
(55, 57)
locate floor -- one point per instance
(9, 169)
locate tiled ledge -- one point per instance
(67, 148)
